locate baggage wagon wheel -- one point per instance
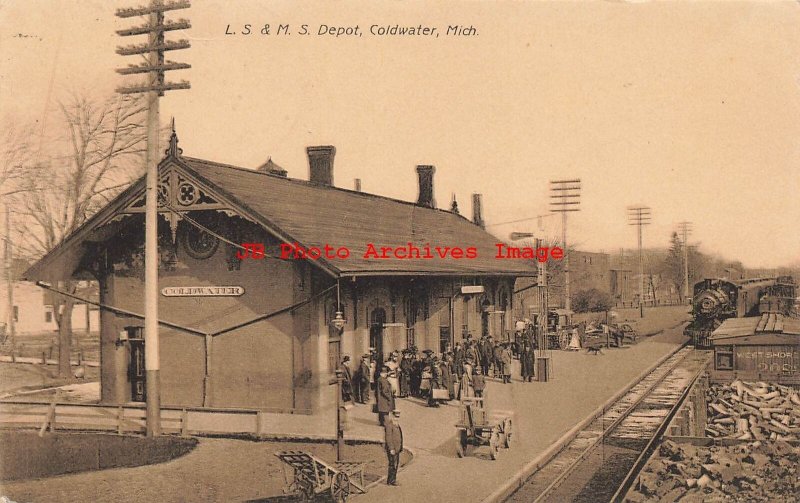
(508, 432)
(340, 487)
(461, 443)
(302, 489)
(494, 443)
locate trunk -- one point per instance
(64, 321)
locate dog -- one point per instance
(597, 350)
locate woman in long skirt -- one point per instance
(465, 387)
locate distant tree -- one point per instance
(99, 153)
(591, 300)
(672, 269)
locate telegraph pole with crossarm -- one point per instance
(565, 197)
(153, 87)
(685, 228)
(640, 216)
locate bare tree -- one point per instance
(99, 153)
(16, 153)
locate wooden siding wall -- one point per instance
(255, 366)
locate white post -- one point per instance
(7, 256)
(151, 351)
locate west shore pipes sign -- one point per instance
(202, 291)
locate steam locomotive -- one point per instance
(715, 300)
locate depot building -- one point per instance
(263, 333)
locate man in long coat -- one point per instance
(505, 358)
(447, 376)
(526, 360)
(393, 443)
(497, 359)
(347, 380)
(406, 369)
(384, 398)
(362, 380)
(458, 360)
(474, 353)
(486, 353)
(436, 381)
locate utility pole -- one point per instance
(153, 87)
(565, 197)
(541, 290)
(640, 216)
(8, 262)
(686, 229)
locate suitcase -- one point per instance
(441, 394)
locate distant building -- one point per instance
(32, 310)
(587, 270)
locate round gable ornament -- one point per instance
(199, 244)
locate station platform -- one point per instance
(580, 382)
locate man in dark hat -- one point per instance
(405, 374)
(394, 445)
(526, 359)
(436, 380)
(458, 360)
(478, 382)
(362, 380)
(384, 398)
(486, 354)
(347, 379)
(505, 361)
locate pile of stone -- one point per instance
(750, 471)
(753, 411)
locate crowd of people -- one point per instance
(435, 378)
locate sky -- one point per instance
(691, 108)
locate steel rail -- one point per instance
(627, 482)
(606, 431)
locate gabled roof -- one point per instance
(767, 323)
(315, 215)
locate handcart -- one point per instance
(313, 477)
(479, 427)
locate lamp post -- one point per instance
(339, 430)
(542, 307)
(338, 323)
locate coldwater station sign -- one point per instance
(202, 291)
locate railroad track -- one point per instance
(604, 455)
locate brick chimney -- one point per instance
(320, 163)
(477, 212)
(425, 175)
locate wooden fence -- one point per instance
(131, 418)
